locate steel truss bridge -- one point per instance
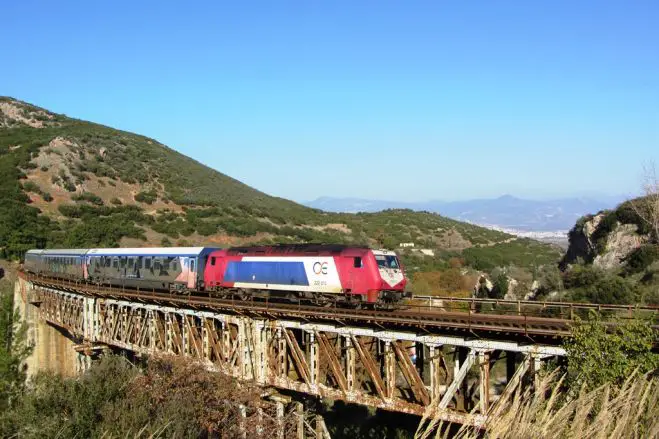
(466, 368)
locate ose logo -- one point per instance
(320, 268)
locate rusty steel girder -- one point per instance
(392, 370)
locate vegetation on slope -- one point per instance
(71, 183)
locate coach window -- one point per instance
(108, 261)
(147, 263)
(357, 262)
(192, 265)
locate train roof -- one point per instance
(59, 252)
(149, 251)
(296, 248)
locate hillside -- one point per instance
(72, 183)
(613, 255)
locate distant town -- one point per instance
(559, 237)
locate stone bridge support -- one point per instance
(54, 348)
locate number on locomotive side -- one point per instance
(319, 283)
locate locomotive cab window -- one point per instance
(387, 261)
(213, 260)
(357, 263)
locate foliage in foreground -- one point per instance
(171, 398)
(609, 389)
(608, 411)
(597, 357)
(13, 348)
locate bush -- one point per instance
(146, 197)
(115, 201)
(30, 186)
(500, 286)
(642, 258)
(597, 356)
(69, 186)
(116, 399)
(89, 197)
(47, 197)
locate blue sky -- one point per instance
(387, 100)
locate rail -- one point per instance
(443, 314)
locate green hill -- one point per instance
(72, 183)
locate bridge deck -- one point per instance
(547, 322)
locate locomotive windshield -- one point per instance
(387, 261)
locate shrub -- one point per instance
(589, 284)
(146, 197)
(47, 197)
(500, 286)
(69, 186)
(89, 197)
(642, 258)
(30, 186)
(597, 356)
(116, 201)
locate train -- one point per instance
(323, 274)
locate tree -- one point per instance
(597, 356)
(647, 207)
(500, 286)
(14, 349)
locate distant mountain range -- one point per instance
(507, 211)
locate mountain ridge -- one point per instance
(507, 211)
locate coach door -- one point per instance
(192, 273)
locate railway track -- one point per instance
(502, 319)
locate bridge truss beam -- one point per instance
(444, 377)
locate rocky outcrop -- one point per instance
(581, 242)
(603, 241)
(619, 245)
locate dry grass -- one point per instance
(631, 411)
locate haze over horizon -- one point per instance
(418, 102)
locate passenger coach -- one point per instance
(170, 268)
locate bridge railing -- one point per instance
(552, 309)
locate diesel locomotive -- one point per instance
(321, 273)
